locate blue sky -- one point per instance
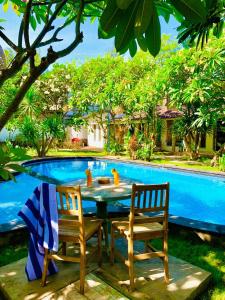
(91, 46)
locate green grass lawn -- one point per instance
(186, 164)
(202, 164)
(69, 152)
(187, 247)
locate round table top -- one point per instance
(104, 192)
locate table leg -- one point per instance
(102, 214)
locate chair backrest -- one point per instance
(70, 205)
(152, 199)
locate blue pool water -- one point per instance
(193, 196)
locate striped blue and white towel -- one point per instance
(40, 214)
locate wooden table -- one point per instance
(103, 194)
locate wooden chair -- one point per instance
(151, 199)
(75, 228)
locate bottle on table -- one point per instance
(116, 177)
(89, 177)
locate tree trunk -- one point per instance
(187, 145)
(16, 66)
(217, 154)
(173, 143)
(35, 73)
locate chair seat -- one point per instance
(71, 232)
(122, 225)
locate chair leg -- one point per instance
(112, 246)
(165, 259)
(100, 246)
(64, 248)
(82, 265)
(45, 268)
(106, 234)
(146, 246)
(131, 262)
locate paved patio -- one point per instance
(106, 283)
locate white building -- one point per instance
(92, 135)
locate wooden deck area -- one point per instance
(106, 283)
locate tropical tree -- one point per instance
(40, 118)
(128, 21)
(54, 87)
(193, 81)
(40, 135)
(92, 91)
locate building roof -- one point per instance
(164, 113)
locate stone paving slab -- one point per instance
(95, 289)
(14, 284)
(186, 281)
(107, 283)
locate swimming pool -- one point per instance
(192, 196)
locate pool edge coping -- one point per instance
(205, 227)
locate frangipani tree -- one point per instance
(193, 81)
(130, 22)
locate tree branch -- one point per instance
(78, 33)
(8, 41)
(54, 38)
(48, 26)
(32, 61)
(35, 73)
(18, 61)
(26, 23)
(20, 35)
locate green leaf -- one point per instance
(125, 28)
(153, 34)
(123, 4)
(5, 6)
(111, 16)
(38, 18)
(218, 29)
(192, 10)
(105, 35)
(124, 50)
(4, 174)
(132, 48)
(2, 20)
(143, 16)
(16, 167)
(209, 4)
(33, 22)
(164, 10)
(142, 43)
